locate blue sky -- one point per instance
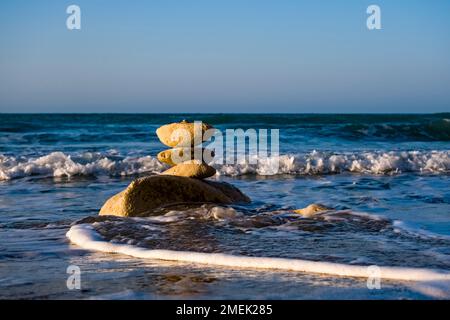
(224, 56)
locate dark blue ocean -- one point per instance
(385, 176)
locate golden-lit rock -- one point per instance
(312, 210)
(178, 155)
(144, 195)
(191, 169)
(181, 134)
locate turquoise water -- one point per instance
(386, 177)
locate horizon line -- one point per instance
(226, 113)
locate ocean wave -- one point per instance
(436, 130)
(317, 163)
(356, 127)
(111, 128)
(326, 243)
(59, 164)
(86, 237)
(414, 230)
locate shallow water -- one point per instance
(386, 178)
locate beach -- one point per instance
(385, 178)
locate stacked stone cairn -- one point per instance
(183, 184)
(186, 157)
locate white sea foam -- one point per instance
(330, 163)
(86, 237)
(366, 215)
(401, 226)
(58, 164)
(170, 216)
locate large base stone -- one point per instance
(145, 194)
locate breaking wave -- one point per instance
(316, 163)
(275, 240)
(59, 164)
(39, 129)
(87, 237)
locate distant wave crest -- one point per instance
(317, 163)
(58, 164)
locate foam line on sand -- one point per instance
(86, 237)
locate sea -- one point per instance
(384, 177)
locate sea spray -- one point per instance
(59, 164)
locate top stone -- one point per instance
(181, 134)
